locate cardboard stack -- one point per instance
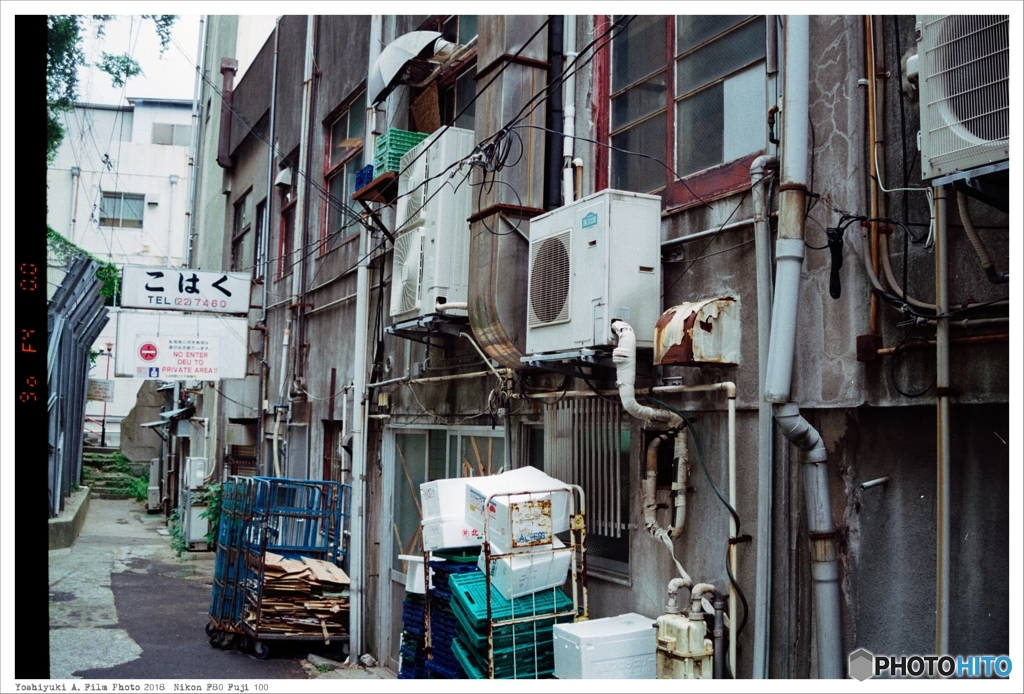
(300, 596)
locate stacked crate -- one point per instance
(412, 656)
(520, 650)
(443, 663)
(389, 148)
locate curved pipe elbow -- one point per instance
(624, 357)
(800, 433)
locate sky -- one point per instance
(169, 76)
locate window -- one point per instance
(456, 96)
(284, 241)
(689, 91)
(460, 29)
(343, 161)
(122, 210)
(425, 455)
(258, 254)
(241, 239)
(170, 134)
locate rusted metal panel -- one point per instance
(700, 332)
(531, 522)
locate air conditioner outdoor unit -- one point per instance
(195, 472)
(431, 262)
(591, 262)
(965, 92)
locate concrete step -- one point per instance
(100, 450)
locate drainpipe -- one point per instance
(569, 106)
(228, 67)
(359, 405)
(942, 426)
(789, 260)
(762, 249)
(261, 463)
(193, 161)
(301, 205)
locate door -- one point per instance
(411, 457)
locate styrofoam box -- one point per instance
(524, 526)
(443, 498)
(523, 574)
(623, 647)
(449, 533)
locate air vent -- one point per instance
(965, 93)
(549, 280)
(407, 267)
(410, 211)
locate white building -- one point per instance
(118, 188)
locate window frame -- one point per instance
(678, 194)
(140, 197)
(243, 205)
(354, 154)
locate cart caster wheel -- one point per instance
(216, 639)
(229, 642)
(261, 650)
(210, 629)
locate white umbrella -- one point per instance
(390, 66)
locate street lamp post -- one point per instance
(103, 426)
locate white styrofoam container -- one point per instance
(623, 647)
(519, 521)
(449, 533)
(443, 498)
(524, 574)
(415, 581)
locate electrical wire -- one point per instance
(728, 506)
(708, 244)
(892, 368)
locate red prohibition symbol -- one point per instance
(148, 351)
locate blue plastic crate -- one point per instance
(364, 176)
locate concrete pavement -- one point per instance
(123, 605)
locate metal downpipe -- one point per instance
(789, 254)
(942, 520)
(763, 571)
(357, 558)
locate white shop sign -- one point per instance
(164, 288)
(172, 347)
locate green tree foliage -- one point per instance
(62, 251)
(64, 56)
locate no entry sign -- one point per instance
(148, 351)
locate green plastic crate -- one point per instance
(469, 592)
(503, 635)
(478, 671)
(389, 148)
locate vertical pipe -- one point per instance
(170, 217)
(193, 162)
(763, 267)
(942, 426)
(569, 107)
(732, 531)
(790, 251)
(261, 463)
(869, 35)
(359, 406)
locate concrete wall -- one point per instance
(886, 540)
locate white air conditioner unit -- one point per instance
(591, 262)
(965, 92)
(431, 263)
